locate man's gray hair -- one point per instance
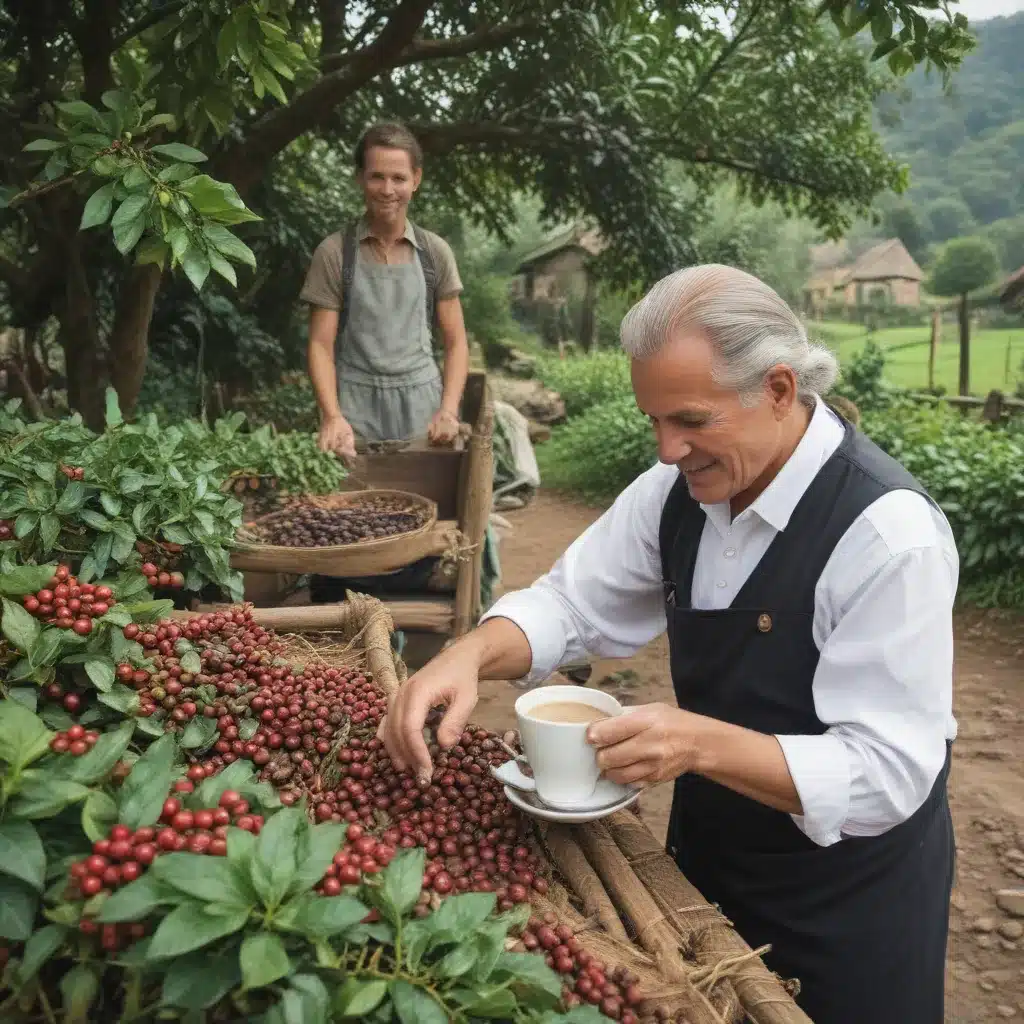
(748, 323)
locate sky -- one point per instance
(980, 10)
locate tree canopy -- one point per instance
(963, 265)
(584, 105)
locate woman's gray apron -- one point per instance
(389, 385)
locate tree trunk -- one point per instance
(933, 347)
(965, 347)
(129, 338)
(79, 337)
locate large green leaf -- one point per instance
(144, 791)
(137, 900)
(43, 796)
(180, 152)
(19, 626)
(210, 879)
(199, 980)
(263, 960)
(97, 209)
(21, 853)
(359, 996)
(23, 736)
(316, 849)
(192, 926)
(18, 903)
(25, 579)
(273, 866)
(415, 1005)
(401, 884)
(42, 944)
(100, 761)
(321, 917)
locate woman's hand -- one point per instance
(647, 744)
(336, 436)
(443, 428)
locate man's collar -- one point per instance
(775, 504)
(363, 231)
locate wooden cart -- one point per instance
(459, 480)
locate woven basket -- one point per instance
(362, 558)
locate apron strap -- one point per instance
(348, 273)
(429, 274)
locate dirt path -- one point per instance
(985, 977)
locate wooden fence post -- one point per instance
(933, 347)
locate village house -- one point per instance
(886, 274)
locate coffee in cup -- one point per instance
(553, 723)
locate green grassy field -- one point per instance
(906, 348)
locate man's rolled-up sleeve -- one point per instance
(603, 597)
(883, 685)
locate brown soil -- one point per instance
(985, 971)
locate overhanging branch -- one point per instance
(421, 50)
(245, 163)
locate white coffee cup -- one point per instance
(564, 764)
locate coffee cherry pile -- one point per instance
(6, 529)
(614, 991)
(76, 741)
(301, 525)
(66, 603)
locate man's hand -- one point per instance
(647, 744)
(336, 436)
(451, 679)
(443, 428)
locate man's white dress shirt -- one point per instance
(882, 624)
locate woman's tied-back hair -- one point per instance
(749, 325)
(389, 135)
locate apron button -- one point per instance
(764, 623)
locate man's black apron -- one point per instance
(862, 923)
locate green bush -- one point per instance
(587, 381)
(974, 472)
(595, 455)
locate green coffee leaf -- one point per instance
(101, 672)
(400, 884)
(200, 980)
(211, 879)
(78, 990)
(94, 520)
(49, 530)
(43, 796)
(100, 761)
(316, 849)
(25, 579)
(359, 996)
(42, 944)
(144, 791)
(25, 524)
(529, 971)
(199, 733)
(273, 867)
(321, 916)
(25, 696)
(99, 815)
(192, 926)
(137, 899)
(72, 498)
(460, 960)
(21, 853)
(121, 698)
(21, 628)
(23, 736)
(415, 1005)
(263, 960)
(498, 1002)
(18, 903)
(235, 776)
(47, 647)
(461, 914)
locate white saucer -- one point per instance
(598, 807)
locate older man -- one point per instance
(807, 582)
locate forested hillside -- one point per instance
(965, 149)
